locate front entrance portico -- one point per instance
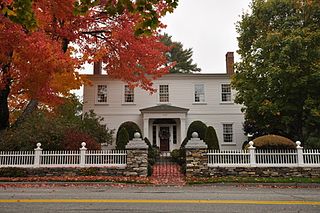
(165, 125)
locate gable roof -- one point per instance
(164, 108)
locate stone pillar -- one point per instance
(196, 157)
(137, 157)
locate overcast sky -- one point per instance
(208, 27)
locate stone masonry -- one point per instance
(137, 157)
(196, 157)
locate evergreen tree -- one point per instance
(182, 57)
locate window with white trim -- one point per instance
(225, 92)
(102, 94)
(227, 133)
(199, 93)
(128, 94)
(163, 93)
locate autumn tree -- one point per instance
(43, 42)
(180, 57)
(278, 77)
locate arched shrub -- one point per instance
(195, 126)
(122, 138)
(199, 127)
(131, 128)
(211, 138)
(273, 142)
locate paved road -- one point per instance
(102, 198)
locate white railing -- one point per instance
(65, 158)
(298, 157)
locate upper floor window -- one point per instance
(227, 133)
(199, 93)
(164, 93)
(128, 94)
(102, 94)
(225, 92)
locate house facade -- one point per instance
(165, 115)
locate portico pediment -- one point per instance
(164, 108)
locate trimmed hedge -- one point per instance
(211, 138)
(273, 142)
(122, 138)
(195, 126)
(131, 128)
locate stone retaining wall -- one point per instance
(48, 172)
(285, 172)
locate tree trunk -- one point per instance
(5, 80)
(4, 109)
(31, 107)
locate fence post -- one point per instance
(37, 153)
(300, 154)
(252, 151)
(83, 150)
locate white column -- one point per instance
(182, 129)
(146, 127)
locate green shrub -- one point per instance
(199, 127)
(273, 142)
(312, 143)
(122, 139)
(211, 138)
(195, 126)
(131, 128)
(178, 156)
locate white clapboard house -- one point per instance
(165, 115)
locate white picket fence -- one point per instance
(80, 158)
(298, 157)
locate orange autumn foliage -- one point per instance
(39, 61)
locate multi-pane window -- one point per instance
(227, 133)
(225, 92)
(128, 94)
(164, 93)
(199, 93)
(102, 94)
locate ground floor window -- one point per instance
(227, 133)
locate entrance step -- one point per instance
(166, 172)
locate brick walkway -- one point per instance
(167, 173)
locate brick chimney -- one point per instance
(230, 63)
(97, 68)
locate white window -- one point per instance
(164, 93)
(225, 92)
(102, 94)
(128, 94)
(227, 133)
(199, 93)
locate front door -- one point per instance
(164, 135)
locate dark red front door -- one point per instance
(164, 135)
